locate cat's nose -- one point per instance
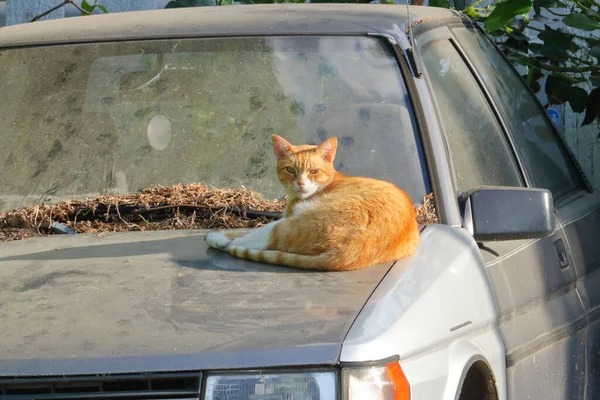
(300, 184)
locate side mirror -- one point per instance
(508, 213)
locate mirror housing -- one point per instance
(494, 213)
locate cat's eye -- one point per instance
(314, 171)
(290, 170)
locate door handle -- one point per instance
(561, 253)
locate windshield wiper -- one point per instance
(241, 212)
(101, 212)
(258, 214)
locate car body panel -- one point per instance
(243, 20)
(541, 318)
(580, 218)
(92, 304)
(403, 316)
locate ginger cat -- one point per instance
(332, 222)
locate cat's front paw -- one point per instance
(217, 240)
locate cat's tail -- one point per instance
(314, 262)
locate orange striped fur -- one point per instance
(332, 221)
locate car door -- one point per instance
(551, 165)
(580, 216)
(541, 315)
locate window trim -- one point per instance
(421, 125)
(465, 22)
(524, 173)
(584, 183)
(459, 193)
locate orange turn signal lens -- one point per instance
(399, 381)
(386, 382)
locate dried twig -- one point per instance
(189, 206)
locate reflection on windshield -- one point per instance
(81, 120)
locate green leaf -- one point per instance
(504, 13)
(595, 51)
(557, 88)
(439, 3)
(526, 61)
(189, 3)
(581, 21)
(104, 10)
(550, 51)
(535, 87)
(546, 3)
(578, 99)
(534, 74)
(556, 38)
(592, 110)
(87, 7)
(595, 78)
(521, 45)
(335, 1)
(471, 13)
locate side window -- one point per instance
(479, 151)
(542, 152)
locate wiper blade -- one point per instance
(244, 212)
(258, 214)
(101, 212)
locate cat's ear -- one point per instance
(281, 147)
(328, 148)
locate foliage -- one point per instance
(556, 39)
(189, 3)
(89, 8)
(86, 8)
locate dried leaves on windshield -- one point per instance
(189, 206)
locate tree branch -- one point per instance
(588, 10)
(533, 28)
(64, 3)
(554, 68)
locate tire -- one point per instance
(479, 384)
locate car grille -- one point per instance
(144, 386)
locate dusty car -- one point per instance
(500, 301)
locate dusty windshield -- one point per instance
(83, 120)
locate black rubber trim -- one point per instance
(366, 364)
(78, 41)
(561, 140)
(415, 63)
(423, 132)
(544, 341)
(525, 178)
(473, 363)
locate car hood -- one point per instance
(160, 301)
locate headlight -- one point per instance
(386, 382)
(272, 386)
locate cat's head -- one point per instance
(304, 170)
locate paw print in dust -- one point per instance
(342, 167)
(346, 141)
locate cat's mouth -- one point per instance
(304, 193)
